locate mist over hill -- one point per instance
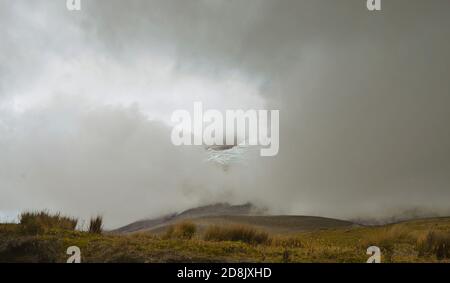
(218, 209)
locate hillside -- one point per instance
(225, 215)
(218, 209)
(279, 224)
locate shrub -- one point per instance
(41, 222)
(182, 230)
(96, 225)
(436, 243)
(236, 233)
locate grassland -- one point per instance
(426, 240)
(275, 225)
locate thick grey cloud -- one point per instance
(363, 101)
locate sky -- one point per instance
(86, 99)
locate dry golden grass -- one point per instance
(96, 225)
(286, 241)
(246, 234)
(424, 240)
(43, 221)
(436, 243)
(385, 235)
(182, 230)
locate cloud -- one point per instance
(110, 160)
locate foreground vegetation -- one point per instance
(42, 237)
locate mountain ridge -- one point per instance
(245, 214)
(217, 209)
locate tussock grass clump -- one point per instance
(96, 225)
(239, 233)
(43, 221)
(182, 230)
(435, 243)
(386, 236)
